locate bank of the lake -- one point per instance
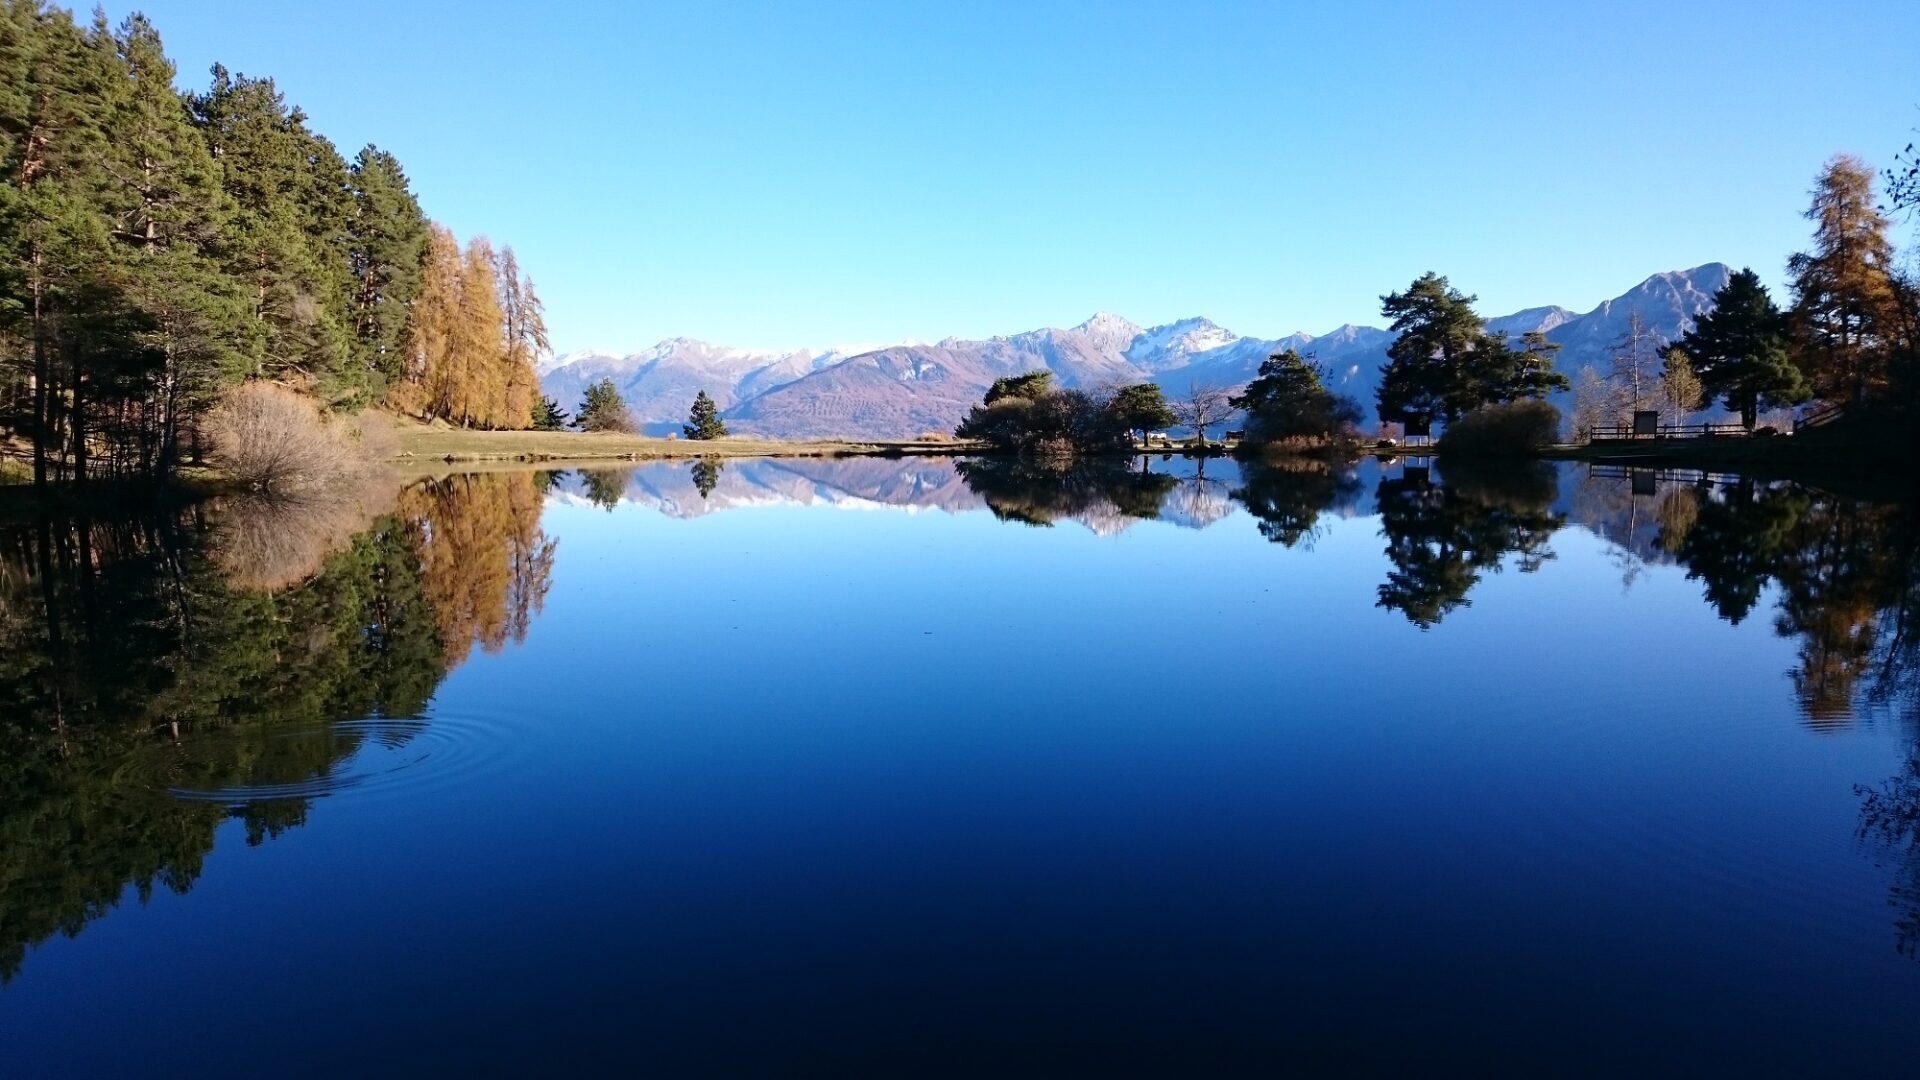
(419, 443)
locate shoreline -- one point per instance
(425, 446)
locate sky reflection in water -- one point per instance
(867, 763)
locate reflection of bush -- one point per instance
(270, 541)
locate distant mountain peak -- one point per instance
(908, 388)
(1107, 320)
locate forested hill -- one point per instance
(905, 390)
(158, 247)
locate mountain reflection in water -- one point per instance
(241, 659)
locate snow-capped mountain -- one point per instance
(905, 390)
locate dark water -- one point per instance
(893, 766)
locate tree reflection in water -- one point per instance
(1102, 493)
(1289, 493)
(217, 648)
(1441, 537)
(1847, 576)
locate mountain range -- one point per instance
(902, 391)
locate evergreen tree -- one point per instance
(1141, 407)
(1500, 373)
(1739, 350)
(703, 420)
(1288, 399)
(387, 243)
(288, 238)
(603, 409)
(548, 415)
(1429, 375)
(1842, 289)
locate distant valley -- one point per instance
(905, 390)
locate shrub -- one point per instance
(1512, 429)
(272, 439)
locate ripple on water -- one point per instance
(374, 755)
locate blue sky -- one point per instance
(790, 174)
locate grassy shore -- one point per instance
(421, 443)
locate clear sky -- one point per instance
(787, 174)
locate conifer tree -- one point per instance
(1842, 289)
(158, 248)
(1428, 374)
(524, 327)
(479, 345)
(387, 245)
(288, 240)
(603, 409)
(1141, 407)
(1289, 398)
(548, 415)
(703, 420)
(1739, 350)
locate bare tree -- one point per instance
(1636, 362)
(1204, 405)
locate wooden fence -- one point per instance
(1626, 432)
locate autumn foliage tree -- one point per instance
(1843, 288)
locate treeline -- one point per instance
(1848, 339)
(158, 248)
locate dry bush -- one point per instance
(934, 437)
(274, 440)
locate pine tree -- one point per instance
(1498, 373)
(1739, 350)
(603, 409)
(1429, 374)
(1842, 289)
(1141, 407)
(171, 212)
(288, 239)
(388, 237)
(703, 420)
(1288, 398)
(548, 415)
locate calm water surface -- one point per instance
(903, 766)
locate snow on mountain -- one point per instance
(901, 391)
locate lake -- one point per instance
(916, 766)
